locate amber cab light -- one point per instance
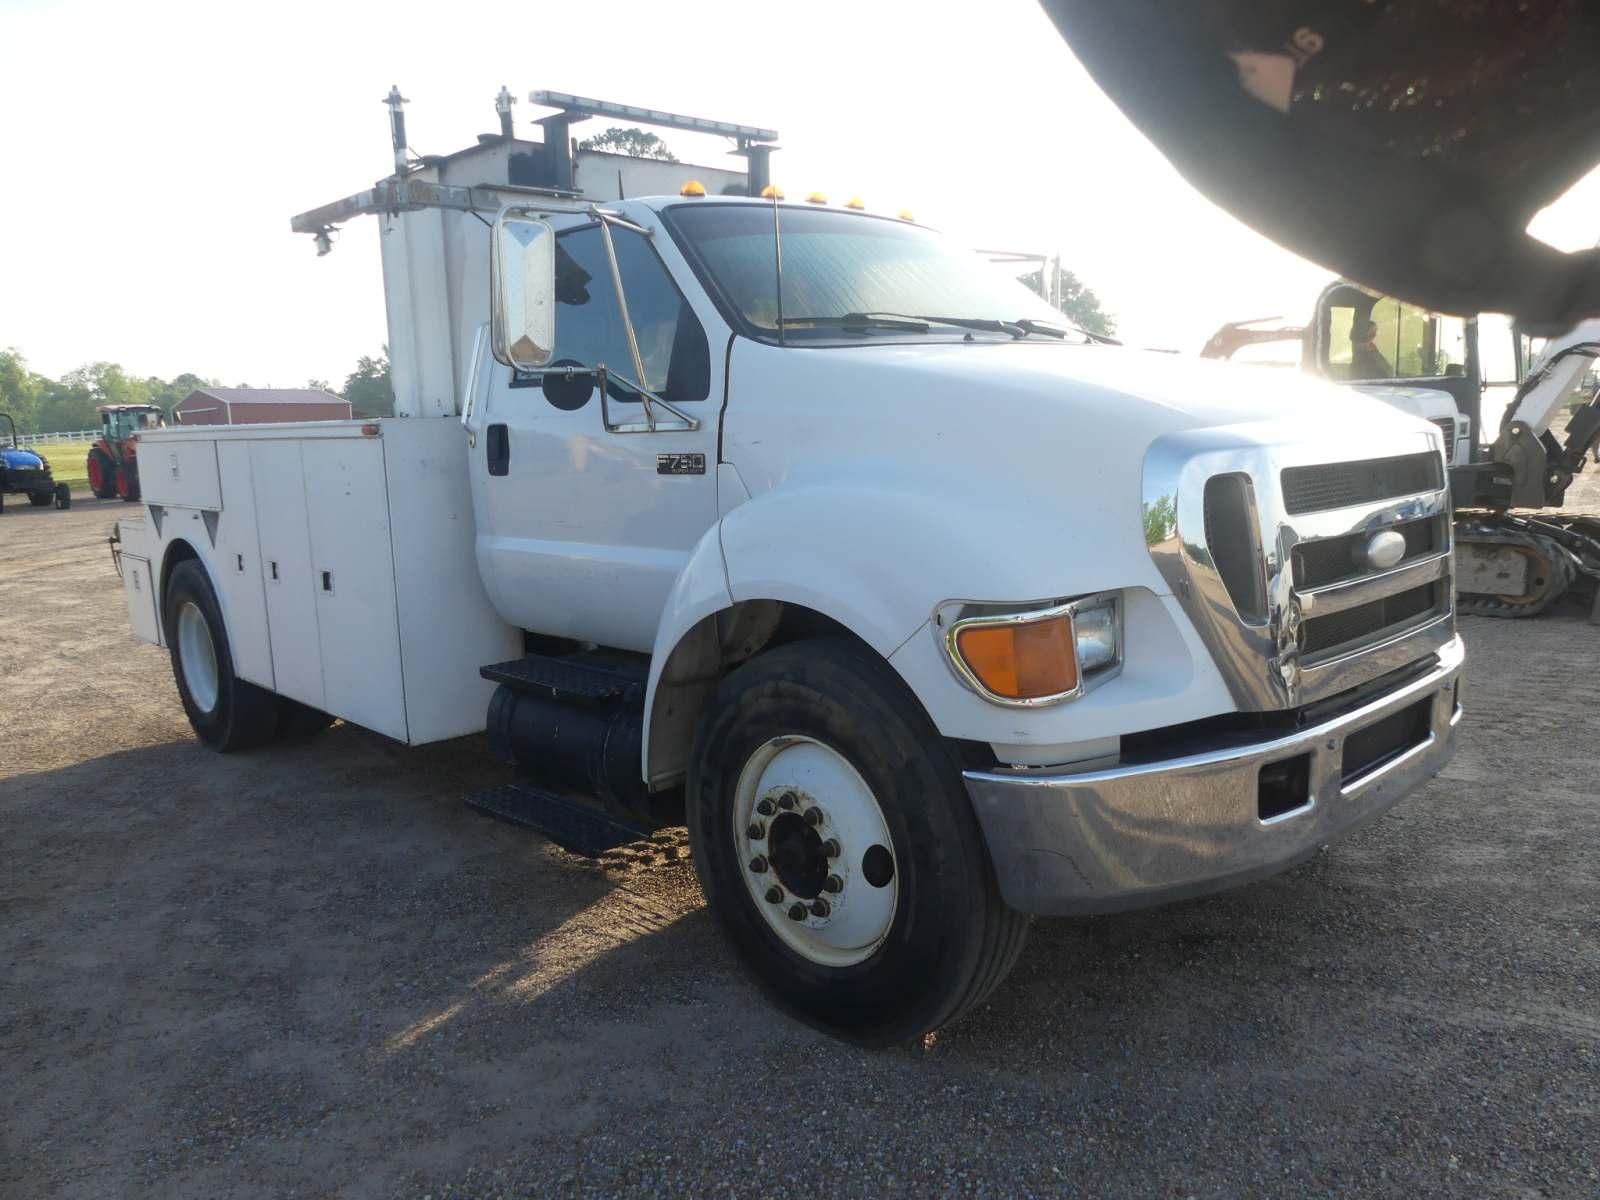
(1021, 660)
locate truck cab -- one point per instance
(790, 522)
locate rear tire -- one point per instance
(40, 499)
(102, 475)
(226, 712)
(827, 724)
(127, 484)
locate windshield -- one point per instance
(838, 265)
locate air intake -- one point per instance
(1234, 540)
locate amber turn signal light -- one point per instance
(1021, 660)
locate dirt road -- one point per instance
(310, 971)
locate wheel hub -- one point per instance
(795, 850)
(816, 849)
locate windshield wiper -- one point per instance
(1061, 331)
(1029, 325)
(985, 324)
(862, 321)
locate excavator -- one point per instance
(1511, 559)
(1406, 145)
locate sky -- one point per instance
(156, 151)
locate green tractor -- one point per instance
(26, 473)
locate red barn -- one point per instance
(259, 406)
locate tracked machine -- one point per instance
(1513, 560)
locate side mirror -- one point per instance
(522, 289)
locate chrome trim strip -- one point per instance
(1086, 683)
(1359, 664)
(1337, 597)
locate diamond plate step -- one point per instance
(571, 824)
(569, 678)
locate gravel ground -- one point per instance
(310, 971)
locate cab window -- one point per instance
(589, 329)
(1393, 340)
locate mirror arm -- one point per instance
(627, 323)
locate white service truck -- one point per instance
(792, 523)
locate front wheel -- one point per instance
(40, 499)
(102, 474)
(226, 712)
(63, 496)
(834, 839)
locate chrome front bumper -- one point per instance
(1134, 836)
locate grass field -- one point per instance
(69, 462)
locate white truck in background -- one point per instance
(792, 523)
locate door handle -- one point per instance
(497, 447)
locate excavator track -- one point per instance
(1542, 558)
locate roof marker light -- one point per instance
(905, 215)
(693, 188)
(772, 192)
(856, 203)
(816, 198)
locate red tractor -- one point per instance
(113, 459)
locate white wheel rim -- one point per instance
(796, 796)
(197, 656)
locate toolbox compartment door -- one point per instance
(179, 472)
(352, 582)
(279, 489)
(141, 596)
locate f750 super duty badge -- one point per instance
(680, 464)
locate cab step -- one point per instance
(573, 824)
(575, 677)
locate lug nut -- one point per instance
(834, 884)
(797, 912)
(788, 800)
(758, 865)
(831, 848)
(774, 894)
(757, 830)
(819, 908)
(813, 817)
(766, 807)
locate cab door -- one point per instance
(584, 531)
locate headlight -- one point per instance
(1039, 656)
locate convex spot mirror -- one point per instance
(1404, 144)
(522, 290)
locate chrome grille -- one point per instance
(1341, 605)
(1342, 485)
(1350, 628)
(1447, 426)
(1335, 559)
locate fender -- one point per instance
(878, 558)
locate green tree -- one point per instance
(20, 390)
(368, 388)
(630, 140)
(1077, 302)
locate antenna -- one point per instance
(397, 128)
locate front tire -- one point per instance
(127, 484)
(102, 475)
(834, 839)
(226, 712)
(63, 496)
(40, 499)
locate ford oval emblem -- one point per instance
(1385, 549)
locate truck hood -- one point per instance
(1035, 400)
(20, 460)
(1010, 453)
